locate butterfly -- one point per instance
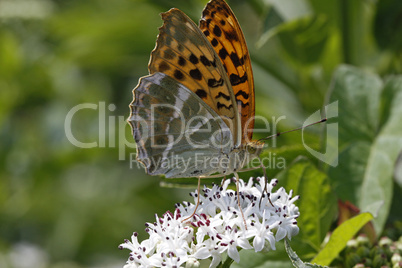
(193, 115)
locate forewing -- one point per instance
(222, 29)
(184, 53)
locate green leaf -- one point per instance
(304, 39)
(369, 143)
(398, 171)
(377, 182)
(280, 12)
(340, 237)
(272, 19)
(317, 203)
(391, 90)
(358, 94)
(347, 176)
(388, 25)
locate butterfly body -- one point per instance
(193, 115)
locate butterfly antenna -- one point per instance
(296, 129)
(276, 135)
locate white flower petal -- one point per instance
(294, 230)
(217, 227)
(192, 263)
(216, 260)
(258, 243)
(234, 254)
(280, 233)
(202, 253)
(271, 239)
(243, 243)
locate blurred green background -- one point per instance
(66, 206)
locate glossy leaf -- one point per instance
(340, 237)
(369, 144)
(317, 203)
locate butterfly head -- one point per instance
(254, 148)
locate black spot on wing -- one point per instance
(205, 61)
(232, 36)
(235, 59)
(226, 97)
(237, 80)
(220, 105)
(223, 53)
(215, 83)
(196, 74)
(163, 67)
(227, 11)
(214, 42)
(178, 75)
(213, 63)
(243, 105)
(201, 93)
(217, 31)
(181, 61)
(242, 93)
(193, 59)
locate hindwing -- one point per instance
(169, 123)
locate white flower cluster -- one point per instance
(217, 227)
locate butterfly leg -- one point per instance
(238, 198)
(198, 201)
(266, 183)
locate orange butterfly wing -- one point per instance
(220, 26)
(184, 53)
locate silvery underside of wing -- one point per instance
(177, 134)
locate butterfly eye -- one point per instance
(251, 149)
